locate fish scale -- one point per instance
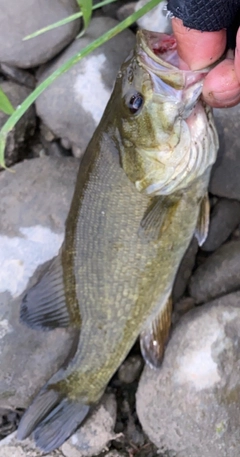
(140, 196)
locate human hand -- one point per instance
(221, 86)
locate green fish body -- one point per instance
(140, 196)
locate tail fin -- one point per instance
(53, 418)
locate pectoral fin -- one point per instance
(44, 305)
(153, 339)
(157, 217)
(201, 230)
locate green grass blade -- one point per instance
(5, 104)
(66, 20)
(11, 122)
(86, 8)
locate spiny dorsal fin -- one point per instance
(157, 217)
(44, 306)
(201, 230)
(154, 338)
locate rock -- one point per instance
(225, 217)
(236, 234)
(190, 406)
(125, 10)
(130, 369)
(97, 431)
(18, 76)
(73, 105)
(225, 173)
(20, 18)
(46, 133)
(185, 271)
(24, 129)
(156, 20)
(111, 9)
(34, 202)
(11, 447)
(90, 439)
(182, 307)
(9, 420)
(218, 275)
(114, 454)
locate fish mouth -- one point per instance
(157, 53)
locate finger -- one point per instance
(198, 49)
(237, 56)
(221, 87)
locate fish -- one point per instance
(140, 197)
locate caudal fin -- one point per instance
(53, 418)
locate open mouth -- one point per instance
(157, 53)
(160, 47)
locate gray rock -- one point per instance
(24, 129)
(114, 454)
(11, 447)
(156, 20)
(236, 234)
(185, 271)
(226, 171)
(111, 9)
(96, 433)
(18, 76)
(182, 307)
(130, 369)
(73, 105)
(34, 202)
(90, 439)
(225, 217)
(218, 275)
(20, 18)
(190, 406)
(125, 10)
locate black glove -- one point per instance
(208, 15)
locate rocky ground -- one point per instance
(190, 406)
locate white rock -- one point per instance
(191, 405)
(156, 20)
(96, 433)
(73, 105)
(34, 202)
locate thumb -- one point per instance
(198, 49)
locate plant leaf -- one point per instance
(11, 122)
(86, 9)
(66, 20)
(5, 104)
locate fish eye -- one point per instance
(135, 102)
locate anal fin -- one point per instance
(201, 230)
(44, 305)
(154, 338)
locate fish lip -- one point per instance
(157, 53)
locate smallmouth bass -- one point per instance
(140, 196)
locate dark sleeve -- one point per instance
(205, 15)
